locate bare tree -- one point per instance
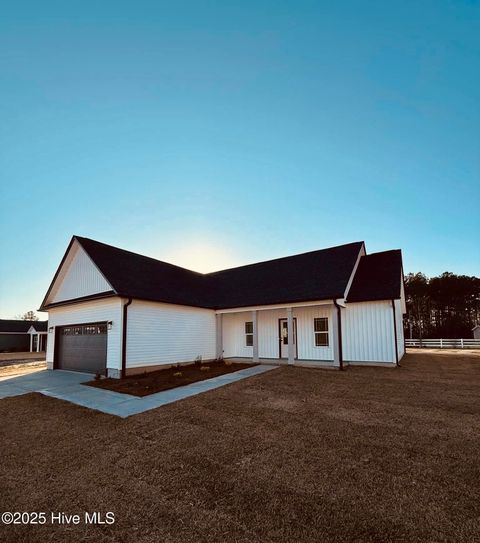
(28, 316)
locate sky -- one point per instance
(215, 134)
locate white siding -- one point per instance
(268, 338)
(78, 277)
(233, 328)
(399, 321)
(109, 309)
(367, 332)
(160, 333)
(306, 336)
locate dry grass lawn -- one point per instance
(294, 455)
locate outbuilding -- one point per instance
(114, 312)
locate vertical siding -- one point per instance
(94, 311)
(367, 332)
(306, 333)
(164, 334)
(234, 333)
(79, 277)
(399, 320)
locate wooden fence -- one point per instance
(444, 343)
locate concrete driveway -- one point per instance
(66, 385)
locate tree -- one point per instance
(444, 306)
(28, 316)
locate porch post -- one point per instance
(38, 343)
(255, 335)
(291, 346)
(335, 337)
(31, 342)
(219, 331)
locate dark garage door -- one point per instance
(83, 347)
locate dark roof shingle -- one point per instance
(316, 275)
(378, 277)
(19, 326)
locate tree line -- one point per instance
(446, 306)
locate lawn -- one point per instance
(294, 455)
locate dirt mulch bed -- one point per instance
(370, 455)
(156, 381)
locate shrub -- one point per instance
(177, 374)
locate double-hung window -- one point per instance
(320, 326)
(249, 334)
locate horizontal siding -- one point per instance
(79, 277)
(367, 332)
(93, 311)
(167, 334)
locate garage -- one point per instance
(82, 347)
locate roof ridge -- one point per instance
(287, 257)
(80, 238)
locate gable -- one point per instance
(78, 277)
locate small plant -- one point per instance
(177, 374)
(97, 377)
(204, 368)
(198, 360)
(228, 362)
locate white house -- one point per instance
(115, 312)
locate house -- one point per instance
(22, 335)
(115, 312)
(476, 331)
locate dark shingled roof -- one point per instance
(12, 325)
(316, 275)
(378, 277)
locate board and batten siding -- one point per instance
(399, 322)
(159, 333)
(367, 332)
(78, 277)
(234, 341)
(109, 309)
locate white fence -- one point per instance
(444, 343)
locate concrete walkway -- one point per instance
(66, 385)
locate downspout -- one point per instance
(339, 321)
(395, 332)
(124, 338)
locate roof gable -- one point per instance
(378, 277)
(76, 277)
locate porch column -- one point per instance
(219, 331)
(291, 345)
(335, 337)
(255, 335)
(31, 342)
(38, 343)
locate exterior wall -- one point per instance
(367, 332)
(164, 334)
(268, 334)
(399, 322)
(14, 342)
(93, 311)
(78, 277)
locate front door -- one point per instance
(284, 337)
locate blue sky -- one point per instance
(211, 134)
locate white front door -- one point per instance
(284, 338)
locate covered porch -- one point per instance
(305, 334)
(38, 338)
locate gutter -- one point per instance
(395, 332)
(339, 320)
(124, 337)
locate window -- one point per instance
(320, 327)
(249, 334)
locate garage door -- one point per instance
(83, 347)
